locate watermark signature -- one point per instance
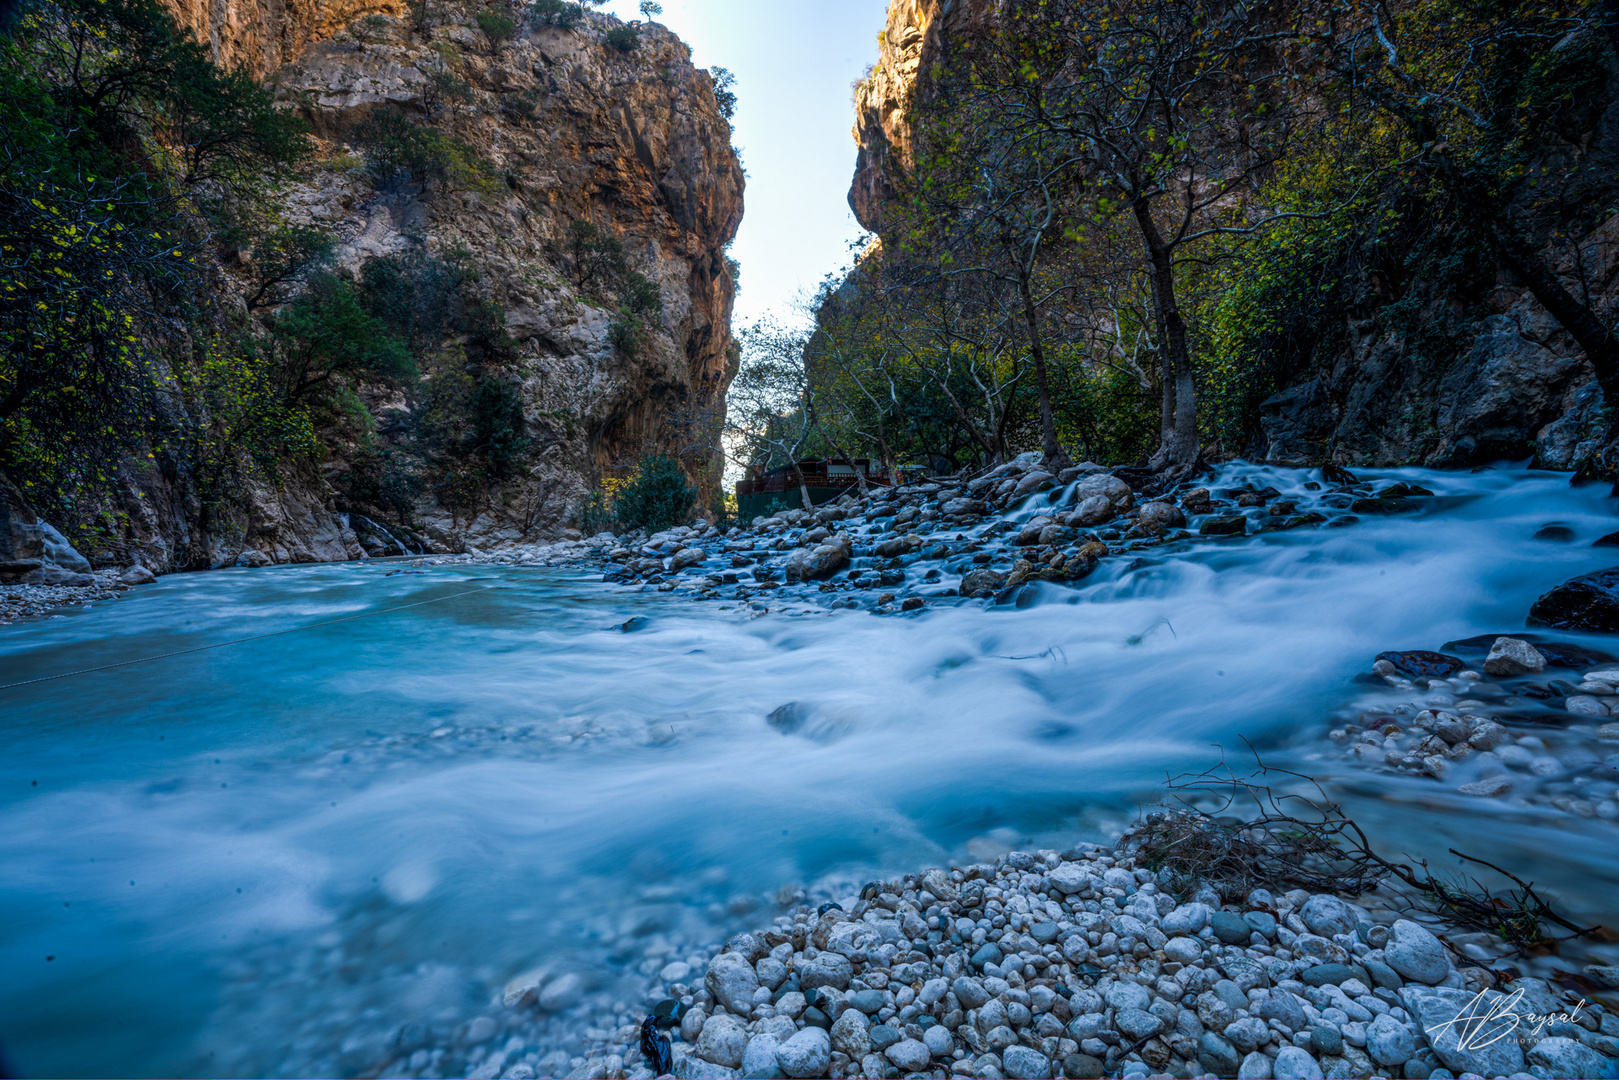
(1484, 1021)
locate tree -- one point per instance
(121, 149)
(650, 9)
(1477, 88)
(770, 417)
(1175, 108)
(326, 336)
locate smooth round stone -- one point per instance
(938, 1040)
(988, 953)
(1328, 915)
(1183, 950)
(1262, 923)
(1217, 1055)
(868, 1001)
(1255, 1066)
(1230, 927)
(1127, 995)
(809, 1053)
(1326, 1039)
(909, 1054)
(1022, 1063)
(882, 1037)
(814, 1017)
(1388, 1041)
(1327, 974)
(1416, 954)
(1044, 932)
(1293, 1063)
(1083, 1067)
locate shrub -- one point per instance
(395, 147)
(497, 426)
(724, 96)
(497, 27)
(560, 13)
(625, 333)
(657, 497)
(622, 38)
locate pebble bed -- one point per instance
(1077, 965)
(30, 601)
(1532, 727)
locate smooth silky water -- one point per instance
(265, 858)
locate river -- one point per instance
(267, 858)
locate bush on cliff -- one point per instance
(657, 497)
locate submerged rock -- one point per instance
(1589, 603)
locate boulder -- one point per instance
(899, 545)
(980, 582)
(1587, 603)
(1224, 525)
(62, 553)
(1092, 511)
(1513, 656)
(1447, 1016)
(816, 564)
(687, 557)
(1033, 480)
(137, 575)
(1158, 517)
(55, 575)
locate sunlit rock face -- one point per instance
(573, 129)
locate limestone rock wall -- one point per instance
(576, 130)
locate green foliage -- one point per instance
(565, 14)
(595, 255)
(327, 338)
(398, 148)
(498, 28)
(283, 259)
(724, 95)
(122, 148)
(595, 514)
(376, 479)
(622, 39)
(657, 498)
(650, 9)
(497, 427)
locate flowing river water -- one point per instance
(273, 857)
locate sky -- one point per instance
(795, 63)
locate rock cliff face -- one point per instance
(631, 141)
(917, 37)
(1512, 385)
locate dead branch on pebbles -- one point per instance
(1239, 833)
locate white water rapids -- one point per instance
(268, 858)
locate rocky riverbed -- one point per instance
(1077, 964)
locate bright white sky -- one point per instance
(795, 62)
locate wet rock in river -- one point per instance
(1420, 663)
(1224, 525)
(1157, 517)
(1588, 603)
(1513, 656)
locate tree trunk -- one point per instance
(1180, 449)
(1051, 450)
(803, 486)
(1583, 325)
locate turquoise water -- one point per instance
(263, 859)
